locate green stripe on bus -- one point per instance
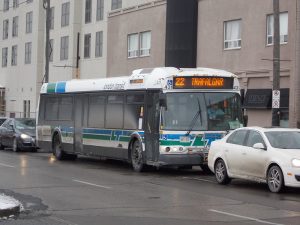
(166, 142)
(97, 137)
(51, 88)
(124, 139)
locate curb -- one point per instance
(9, 206)
(13, 211)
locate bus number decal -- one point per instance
(179, 82)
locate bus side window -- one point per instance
(114, 112)
(51, 108)
(134, 111)
(96, 111)
(65, 110)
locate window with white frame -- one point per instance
(28, 46)
(64, 48)
(5, 5)
(51, 47)
(100, 10)
(14, 55)
(87, 45)
(15, 26)
(29, 22)
(15, 4)
(133, 45)
(145, 43)
(88, 11)
(52, 18)
(116, 4)
(4, 57)
(232, 34)
(99, 44)
(65, 14)
(5, 29)
(283, 27)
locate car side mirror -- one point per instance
(11, 127)
(259, 146)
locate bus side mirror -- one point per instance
(162, 100)
(245, 120)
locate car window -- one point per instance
(253, 138)
(237, 137)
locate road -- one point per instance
(91, 191)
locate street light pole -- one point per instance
(47, 48)
(276, 66)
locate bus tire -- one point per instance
(137, 156)
(57, 148)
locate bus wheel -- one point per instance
(57, 148)
(137, 157)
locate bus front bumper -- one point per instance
(181, 159)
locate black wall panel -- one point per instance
(181, 33)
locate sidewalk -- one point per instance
(9, 206)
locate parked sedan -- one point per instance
(19, 134)
(270, 155)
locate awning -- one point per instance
(262, 99)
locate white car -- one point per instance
(270, 155)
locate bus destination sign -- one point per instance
(201, 82)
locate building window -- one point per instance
(28, 46)
(283, 27)
(116, 4)
(51, 47)
(15, 26)
(52, 18)
(29, 22)
(133, 45)
(99, 44)
(100, 10)
(4, 57)
(14, 55)
(5, 29)
(87, 45)
(88, 11)
(145, 43)
(26, 108)
(5, 5)
(64, 48)
(65, 14)
(15, 4)
(232, 34)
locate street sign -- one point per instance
(276, 99)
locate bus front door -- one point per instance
(152, 128)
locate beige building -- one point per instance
(237, 35)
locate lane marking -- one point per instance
(6, 165)
(96, 185)
(200, 179)
(244, 217)
(62, 220)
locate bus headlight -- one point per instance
(296, 162)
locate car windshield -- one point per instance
(25, 124)
(284, 139)
(202, 111)
(2, 120)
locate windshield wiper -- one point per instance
(193, 122)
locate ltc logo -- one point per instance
(208, 138)
(169, 84)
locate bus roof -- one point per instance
(148, 78)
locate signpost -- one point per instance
(276, 99)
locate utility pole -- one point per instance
(47, 50)
(276, 67)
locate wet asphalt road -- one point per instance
(91, 191)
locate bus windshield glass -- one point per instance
(202, 111)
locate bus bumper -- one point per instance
(181, 159)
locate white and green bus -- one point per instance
(158, 116)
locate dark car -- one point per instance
(2, 120)
(18, 134)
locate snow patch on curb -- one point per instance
(7, 202)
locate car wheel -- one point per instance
(57, 148)
(205, 169)
(275, 179)
(221, 172)
(15, 147)
(137, 157)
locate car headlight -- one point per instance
(296, 162)
(25, 136)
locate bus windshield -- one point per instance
(202, 111)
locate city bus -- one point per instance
(156, 116)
